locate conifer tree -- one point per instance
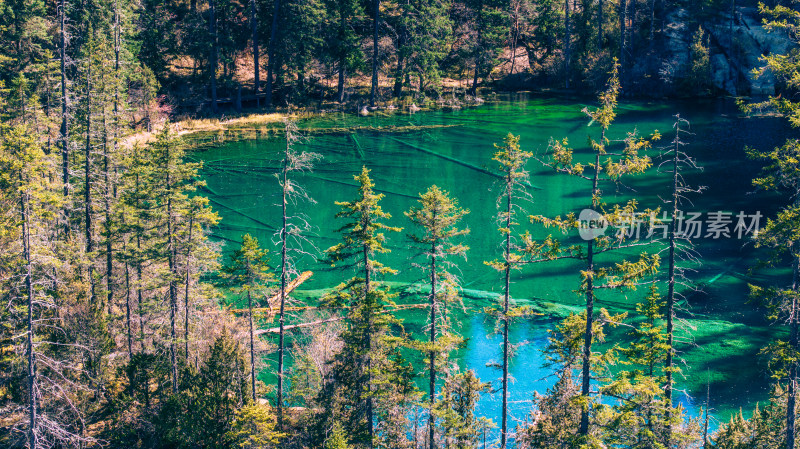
(512, 160)
(172, 178)
(438, 216)
(376, 20)
(490, 29)
(460, 395)
(781, 233)
(50, 374)
(136, 213)
(250, 275)
(342, 46)
(643, 414)
(64, 131)
(368, 344)
(429, 32)
(617, 275)
(782, 236)
(199, 255)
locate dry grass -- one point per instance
(191, 126)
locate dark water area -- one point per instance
(719, 334)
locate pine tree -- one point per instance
(342, 45)
(642, 418)
(512, 160)
(782, 236)
(368, 344)
(490, 30)
(429, 32)
(249, 273)
(376, 20)
(26, 191)
(460, 395)
(172, 179)
(439, 216)
(136, 213)
(199, 256)
(618, 275)
(781, 233)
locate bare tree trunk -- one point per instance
(479, 45)
(256, 63)
(376, 24)
(273, 34)
(212, 24)
(64, 127)
(173, 290)
(401, 44)
(432, 393)
(367, 291)
(128, 300)
(252, 346)
(514, 37)
(107, 206)
(600, 21)
(87, 192)
(623, 19)
(671, 287)
(140, 300)
(633, 14)
(33, 440)
(139, 296)
(652, 23)
(586, 368)
(506, 300)
(567, 44)
(186, 287)
(47, 102)
(284, 268)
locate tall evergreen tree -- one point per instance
(173, 178)
(781, 233)
(250, 274)
(512, 160)
(490, 31)
(438, 216)
(623, 274)
(369, 350)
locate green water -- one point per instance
(720, 334)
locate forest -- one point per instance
(136, 314)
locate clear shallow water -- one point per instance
(722, 333)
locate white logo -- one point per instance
(592, 224)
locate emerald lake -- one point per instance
(720, 332)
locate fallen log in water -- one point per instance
(275, 330)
